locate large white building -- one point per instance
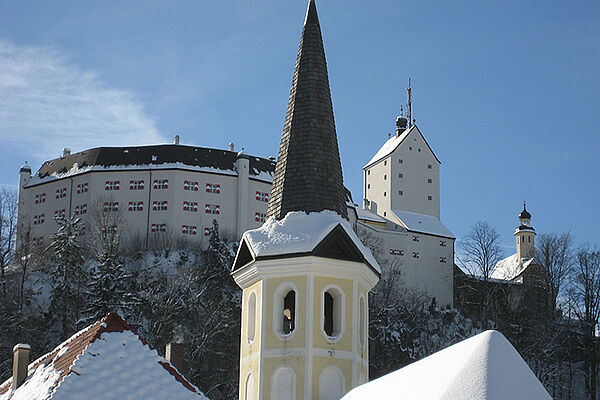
(402, 208)
(159, 191)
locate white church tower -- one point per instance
(305, 274)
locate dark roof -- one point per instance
(63, 360)
(524, 214)
(525, 228)
(153, 155)
(308, 175)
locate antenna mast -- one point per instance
(409, 105)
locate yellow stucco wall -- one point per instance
(298, 364)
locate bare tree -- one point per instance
(480, 250)
(106, 223)
(8, 229)
(555, 253)
(585, 291)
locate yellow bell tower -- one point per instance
(525, 235)
(305, 274)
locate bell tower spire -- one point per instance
(308, 174)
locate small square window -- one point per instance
(384, 194)
(385, 177)
(384, 214)
(400, 192)
(369, 172)
(400, 161)
(368, 186)
(428, 166)
(429, 198)
(429, 180)
(410, 148)
(415, 238)
(419, 150)
(385, 162)
(400, 175)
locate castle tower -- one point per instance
(305, 274)
(525, 235)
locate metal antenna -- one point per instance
(409, 105)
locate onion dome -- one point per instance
(524, 214)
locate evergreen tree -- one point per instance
(68, 276)
(108, 288)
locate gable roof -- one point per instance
(422, 223)
(308, 175)
(485, 366)
(511, 267)
(151, 157)
(392, 144)
(106, 360)
(324, 234)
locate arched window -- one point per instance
(251, 323)
(249, 388)
(289, 312)
(283, 386)
(362, 321)
(333, 313)
(284, 310)
(331, 384)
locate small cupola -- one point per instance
(401, 124)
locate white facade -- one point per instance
(154, 200)
(402, 208)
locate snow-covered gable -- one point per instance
(107, 360)
(422, 223)
(485, 366)
(511, 267)
(299, 233)
(368, 215)
(392, 144)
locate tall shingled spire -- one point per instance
(308, 174)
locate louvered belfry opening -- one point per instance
(308, 175)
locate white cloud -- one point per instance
(47, 103)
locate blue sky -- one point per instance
(506, 93)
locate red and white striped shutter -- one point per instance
(207, 208)
(141, 206)
(105, 207)
(166, 183)
(185, 206)
(206, 231)
(78, 189)
(153, 228)
(267, 197)
(218, 208)
(208, 188)
(141, 185)
(183, 229)
(195, 207)
(155, 184)
(186, 185)
(118, 185)
(106, 186)
(163, 228)
(257, 195)
(130, 206)
(130, 185)
(196, 187)
(154, 206)
(218, 189)
(256, 218)
(116, 208)
(43, 218)
(84, 208)
(165, 205)
(194, 231)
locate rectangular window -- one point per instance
(82, 188)
(368, 186)
(136, 185)
(415, 238)
(40, 198)
(158, 228)
(110, 230)
(385, 162)
(384, 194)
(400, 161)
(443, 243)
(60, 213)
(213, 188)
(160, 184)
(429, 180)
(400, 175)
(400, 192)
(428, 166)
(212, 209)
(384, 177)
(396, 252)
(191, 186)
(206, 231)
(160, 205)
(39, 219)
(111, 206)
(136, 206)
(189, 206)
(443, 260)
(112, 185)
(188, 230)
(260, 217)
(429, 198)
(81, 209)
(262, 196)
(61, 193)
(415, 255)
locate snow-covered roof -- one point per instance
(368, 215)
(392, 143)
(510, 268)
(422, 223)
(485, 366)
(106, 360)
(300, 233)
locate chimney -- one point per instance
(66, 152)
(231, 147)
(176, 139)
(20, 364)
(174, 353)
